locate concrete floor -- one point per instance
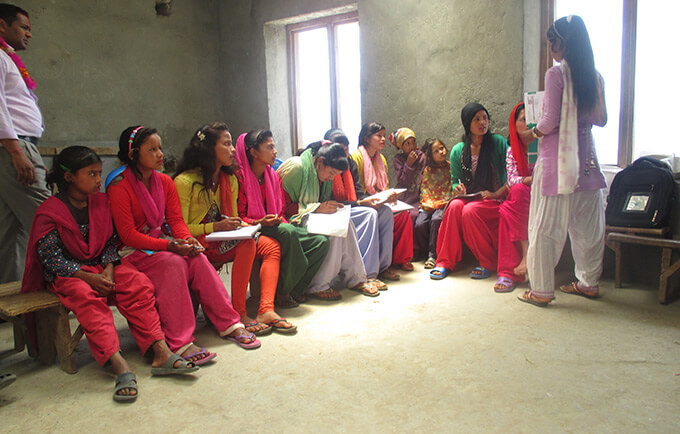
(447, 356)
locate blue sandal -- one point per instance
(480, 273)
(443, 272)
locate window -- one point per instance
(630, 42)
(325, 71)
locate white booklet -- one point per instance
(398, 207)
(334, 225)
(533, 107)
(383, 195)
(242, 233)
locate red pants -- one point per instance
(172, 275)
(402, 245)
(269, 251)
(134, 299)
(513, 227)
(476, 222)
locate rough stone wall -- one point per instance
(102, 66)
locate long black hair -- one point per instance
(200, 154)
(131, 139)
(427, 149)
(571, 33)
(70, 160)
(484, 176)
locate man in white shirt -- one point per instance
(22, 171)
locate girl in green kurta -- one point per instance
(260, 200)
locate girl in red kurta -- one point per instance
(144, 201)
(72, 252)
(513, 232)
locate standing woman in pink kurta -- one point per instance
(566, 196)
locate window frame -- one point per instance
(628, 51)
(330, 23)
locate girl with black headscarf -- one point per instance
(477, 166)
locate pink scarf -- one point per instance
(54, 214)
(153, 203)
(252, 187)
(30, 83)
(375, 175)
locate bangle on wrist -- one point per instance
(17, 150)
(533, 133)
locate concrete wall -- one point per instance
(422, 61)
(102, 66)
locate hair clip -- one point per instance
(66, 169)
(200, 135)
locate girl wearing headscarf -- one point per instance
(73, 253)
(566, 195)
(308, 183)
(148, 218)
(477, 166)
(208, 191)
(372, 168)
(260, 201)
(409, 164)
(514, 212)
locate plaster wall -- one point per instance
(421, 62)
(102, 66)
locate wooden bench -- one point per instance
(53, 329)
(616, 239)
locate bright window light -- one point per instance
(604, 21)
(348, 73)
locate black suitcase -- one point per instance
(641, 195)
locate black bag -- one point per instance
(641, 195)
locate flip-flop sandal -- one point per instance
(299, 298)
(127, 380)
(443, 272)
(481, 273)
(262, 332)
(329, 295)
(406, 266)
(389, 275)
(365, 289)
(528, 297)
(246, 346)
(6, 380)
(430, 263)
(208, 357)
(379, 285)
(282, 329)
(573, 288)
(184, 367)
(507, 285)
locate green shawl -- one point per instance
(301, 182)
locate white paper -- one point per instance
(384, 195)
(533, 107)
(398, 207)
(334, 225)
(242, 233)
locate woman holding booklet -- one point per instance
(208, 190)
(478, 179)
(308, 183)
(372, 168)
(260, 201)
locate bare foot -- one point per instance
(271, 316)
(253, 325)
(194, 354)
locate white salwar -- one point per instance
(551, 218)
(343, 266)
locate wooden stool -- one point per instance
(617, 236)
(53, 329)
